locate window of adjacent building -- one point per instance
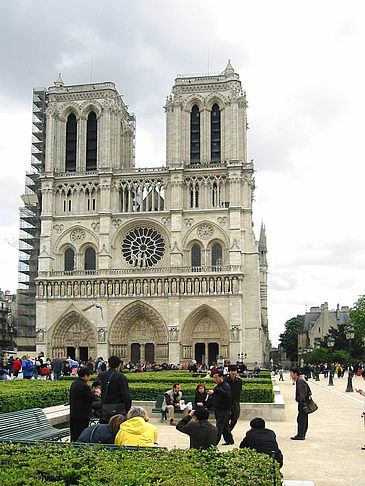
(215, 133)
(196, 256)
(216, 255)
(90, 259)
(91, 142)
(195, 135)
(71, 137)
(69, 260)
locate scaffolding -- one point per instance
(29, 228)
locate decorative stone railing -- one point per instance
(139, 286)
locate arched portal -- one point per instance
(139, 333)
(204, 336)
(73, 336)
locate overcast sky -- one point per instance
(302, 66)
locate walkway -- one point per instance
(331, 455)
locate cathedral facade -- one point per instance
(157, 264)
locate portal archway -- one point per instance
(73, 335)
(204, 336)
(139, 333)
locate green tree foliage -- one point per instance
(357, 318)
(342, 345)
(289, 338)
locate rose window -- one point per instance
(143, 247)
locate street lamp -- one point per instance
(350, 334)
(317, 345)
(330, 344)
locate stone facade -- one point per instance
(157, 264)
(317, 323)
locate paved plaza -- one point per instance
(330, 456)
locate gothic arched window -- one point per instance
(217, 255)
(215, 134)
(69, 260)
(90, 259)
(196, 256)
(91, 142)
(195, 135)
(71, 137)
(194, 196)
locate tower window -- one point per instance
(69, 260)
(91, 142)
(195, 135)
(216, 255)
(90, 259)
(71, 137)
(196, 256)
(215, 133)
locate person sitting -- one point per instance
(102, 433)
(136, 431)
(172, 402)
(201, 396)
(262, 439)
(202, 433)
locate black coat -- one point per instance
(236, 387)
(81, 398)
(118, 390)
(202, 434)
(263, 440)
(222, 397)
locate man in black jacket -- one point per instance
(235, 383)
(202, 433)
(262, 439)
(81, 398)
(302, 392)
(222, 401)
(114, 388)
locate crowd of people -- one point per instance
(122, 424)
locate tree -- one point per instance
(289, 338)
(357, 318)
(342, 344)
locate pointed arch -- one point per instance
(205, 324)
(195, 134)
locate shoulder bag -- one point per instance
(309, 405)
(110, 409)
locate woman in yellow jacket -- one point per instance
(136, 431)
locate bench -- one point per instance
(159, 402)
(80, 444)
(31, 424)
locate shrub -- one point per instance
(49, 464)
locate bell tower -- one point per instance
(206, 120)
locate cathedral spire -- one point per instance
(59, 82)
(229, 69)
(262, 241)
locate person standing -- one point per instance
(202, 433)
(57, 366)
(222, 401)
(114, 390)
(81, 399)
(235, 384)
(27, 367)
(17, 366)
(302, 392)
(362, 392)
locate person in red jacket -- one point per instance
(17, 366)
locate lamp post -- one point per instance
(317, 345)
(309, 350)
(350, 334)
(330, 344)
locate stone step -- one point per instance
(297, 483)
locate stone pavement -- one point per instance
(330, 456)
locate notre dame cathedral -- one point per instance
(156, 264)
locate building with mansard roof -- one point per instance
(156, 264)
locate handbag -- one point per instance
(110, 409)
(309, 406)
(44, 371)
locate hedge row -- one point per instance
(94, 466)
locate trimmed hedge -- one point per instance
(49, 464)
(23, 394)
